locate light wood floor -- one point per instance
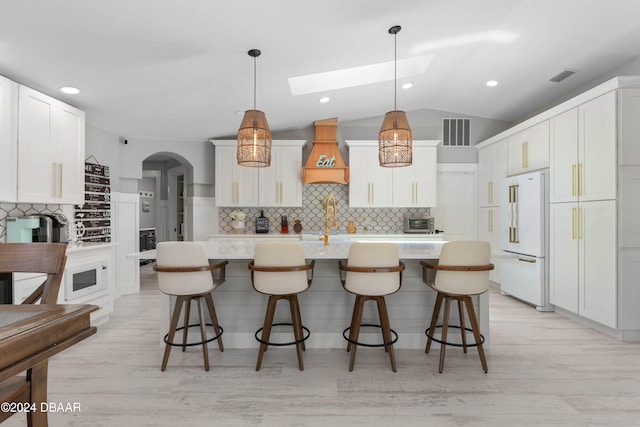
(543, 370)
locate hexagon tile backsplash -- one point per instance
(311, 214)
(22, 209)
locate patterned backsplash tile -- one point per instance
(311, 214)
(22, 209)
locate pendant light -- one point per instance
(254, 136)
(394, 139)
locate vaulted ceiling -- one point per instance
(167, 69)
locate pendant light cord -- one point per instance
(254, 82)
(395, 71)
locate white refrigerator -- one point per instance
(524, 232)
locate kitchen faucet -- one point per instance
(331, 199)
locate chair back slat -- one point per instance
(48, 258)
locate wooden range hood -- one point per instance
(325, 164)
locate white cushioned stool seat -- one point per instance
(278, 269)
(372, 271)
(462, 271)
(184, 271)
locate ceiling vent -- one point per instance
(455, 132)
(561, 76)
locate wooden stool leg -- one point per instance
(203, 334)
(463, 329)
(297, 312)
(297, 329)
(445, 327)
(185, 330)
(386, 330)
(476, 331)
(434, 319)
(172, 330)
(214, 318)
(266, 328)
(353, 322)
(355, 329)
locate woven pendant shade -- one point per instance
(394, 141)
(254, 136)
(254, 140)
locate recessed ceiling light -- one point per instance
(70, 90)
(492, 83)
(325, 99)
(239, 113)
(407, 85)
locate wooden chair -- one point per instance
(184, 272)
(278, 270)
(462, 271)
(48, 258)
(373, 270)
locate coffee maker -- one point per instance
(45, 228)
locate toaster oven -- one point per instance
(418, 224)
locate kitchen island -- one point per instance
(326, 308)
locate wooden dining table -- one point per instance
(29, 335)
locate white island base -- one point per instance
(325, 308)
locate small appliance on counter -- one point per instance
(284, 225)
(22, 229)
(262, 223)
(418, 224)
(44, 228)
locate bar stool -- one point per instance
(462, 271)
(373, 271)
(278, 270)
(193, 283)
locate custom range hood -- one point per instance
(325, 164)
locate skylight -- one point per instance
(358, 76)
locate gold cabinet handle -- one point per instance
(54, 181)
(60, 171)
(579, 223)
(490, 224)
(573, 223)
(526, 154)
(373, 194)
(579, 179)
(573, 180)
(522, 154)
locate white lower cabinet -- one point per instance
(582, 269)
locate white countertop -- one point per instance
(244, 249)
(87, 246)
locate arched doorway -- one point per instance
(165, 185)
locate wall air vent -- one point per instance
(455, 132)
(561, 76)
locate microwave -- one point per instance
(84, 279)
(418, 224)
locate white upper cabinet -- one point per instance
(8, 139)
(276, 185)
(374, 186)
(50, 150)
(492, 168)
(563, 159)
(583, 152)
(415, 185)
(235, 185)
(370, 185)
(597, 159)
(281, 183)
(528, 150)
